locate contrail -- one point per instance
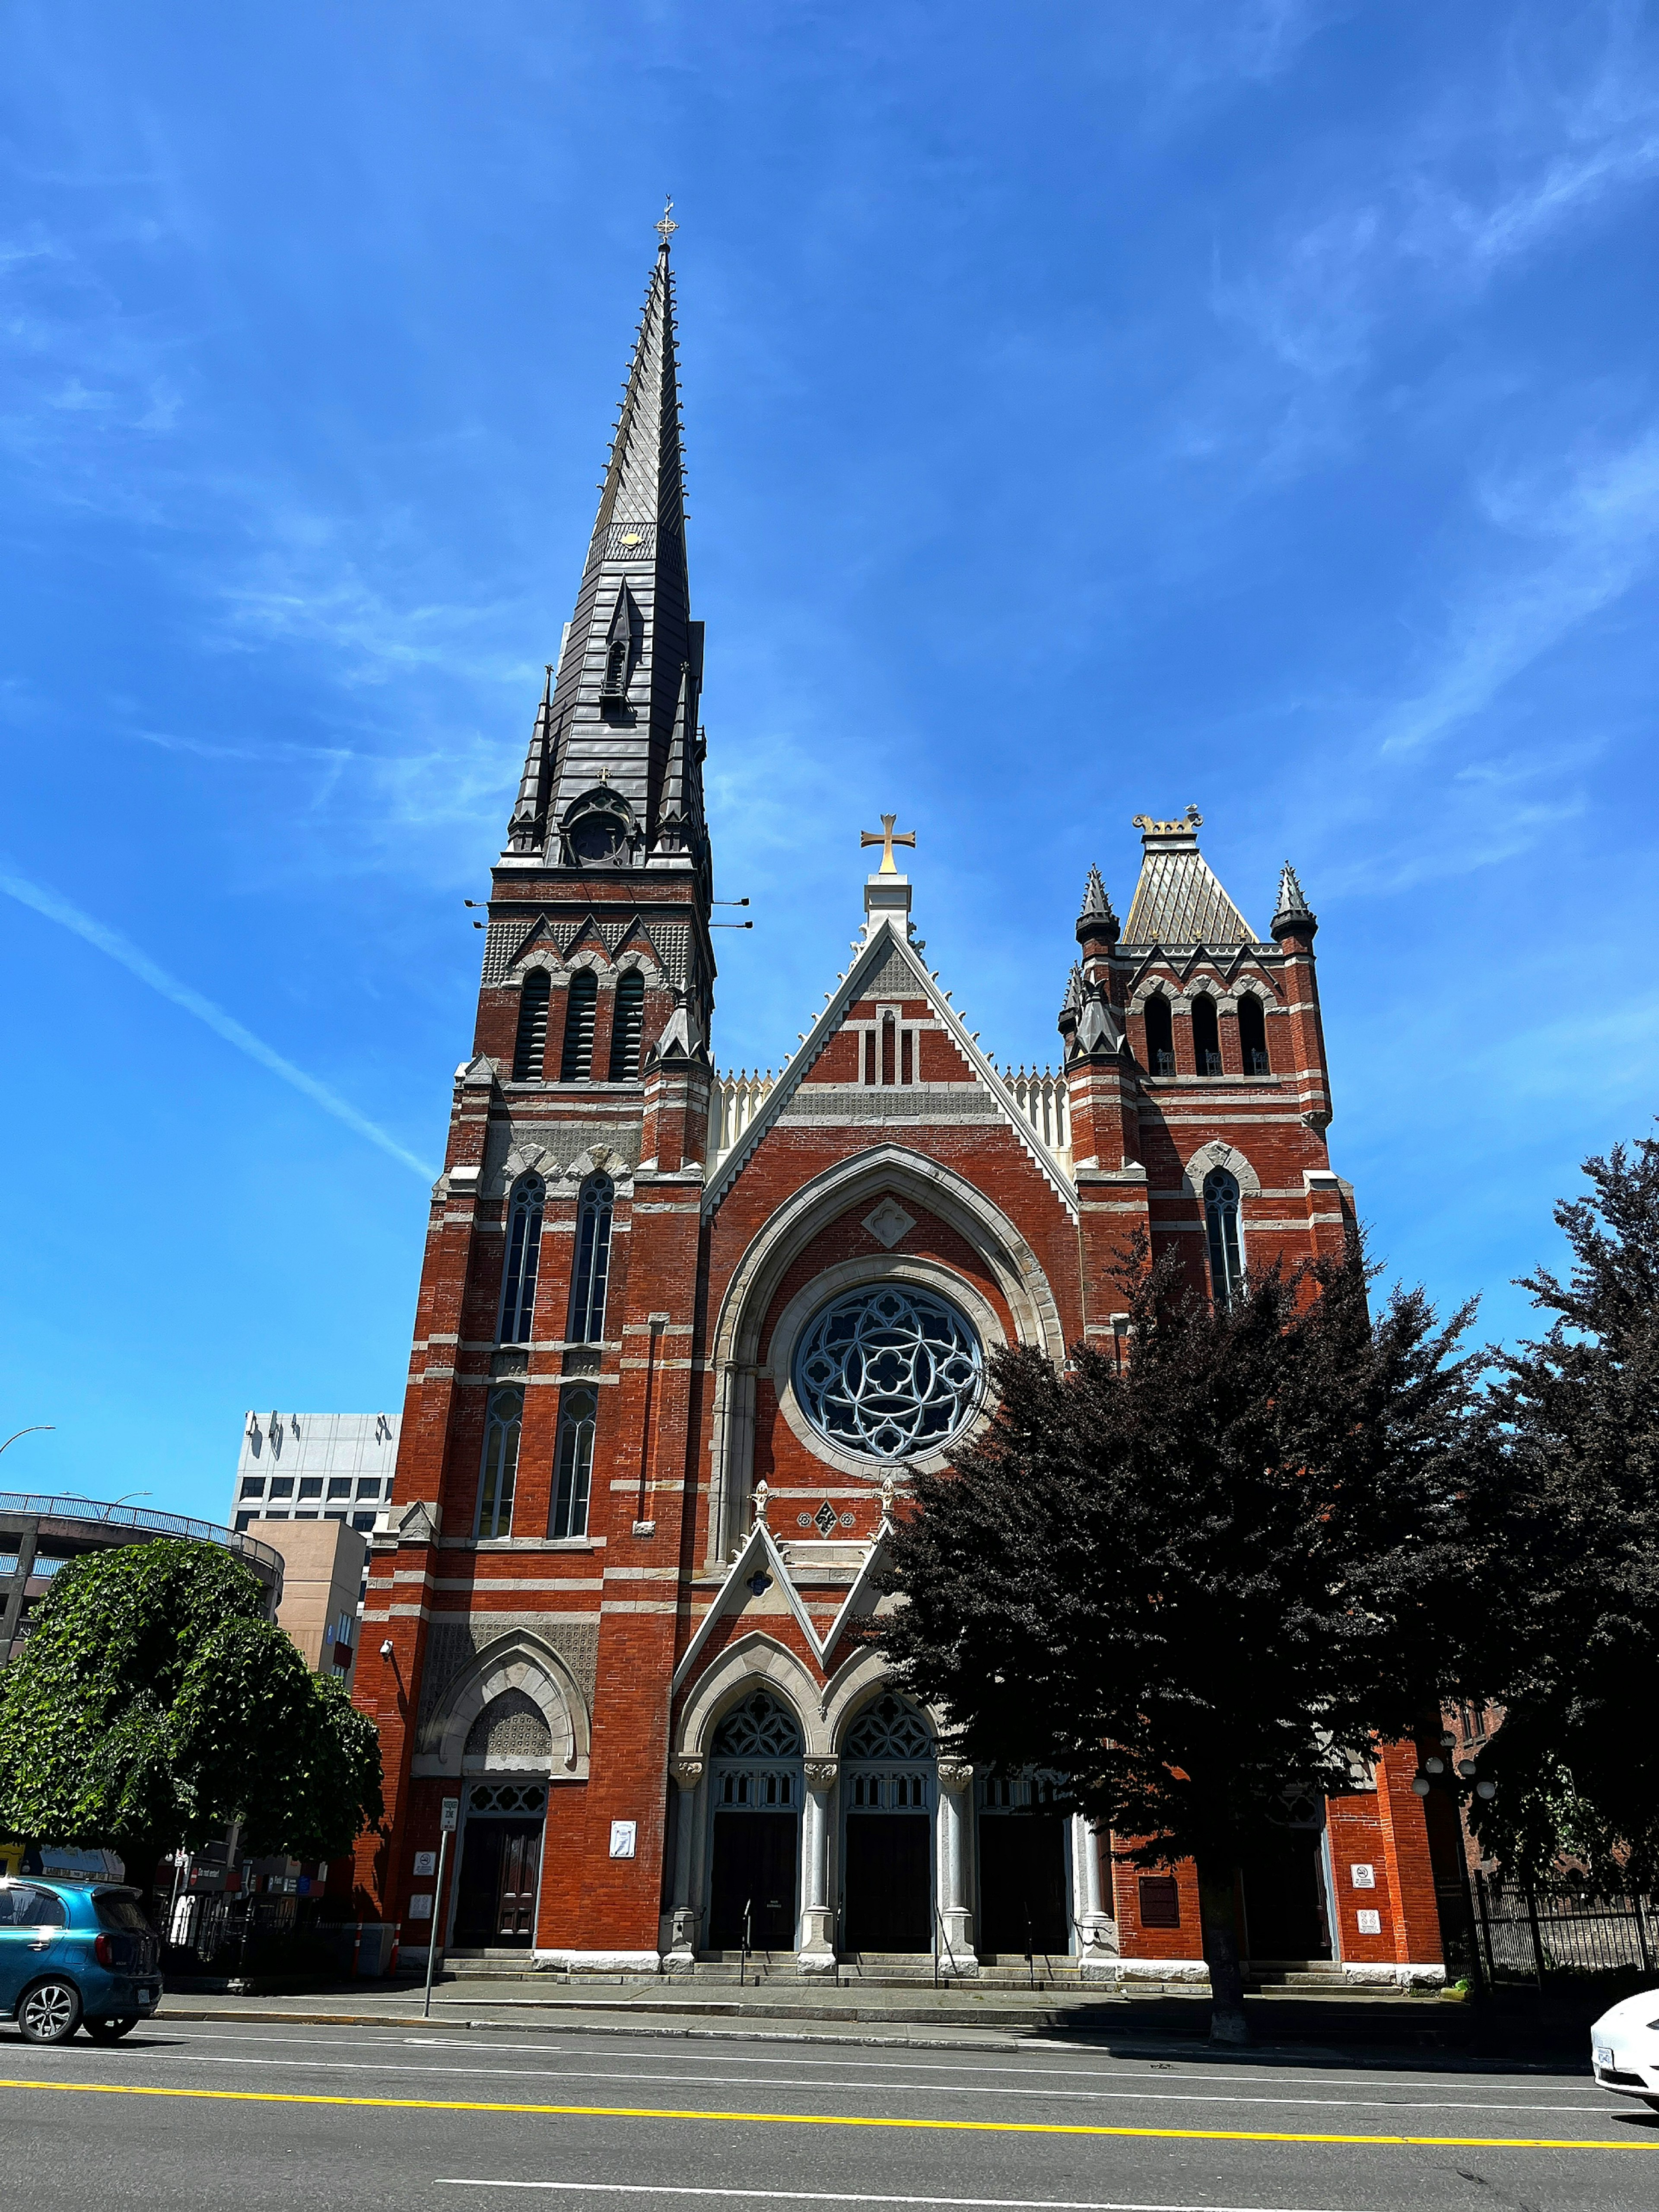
(223, 1024)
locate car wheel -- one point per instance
(49, 2012)
(112, 2031)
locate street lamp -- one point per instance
(34, 1429)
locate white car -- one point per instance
(1625, 2048)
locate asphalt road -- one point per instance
(272, 2119)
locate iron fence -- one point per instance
(1527, 1934)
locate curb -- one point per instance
(1003, 2042)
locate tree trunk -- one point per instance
(1219, 1922)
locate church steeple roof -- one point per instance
(630, 669)
(1178, 900)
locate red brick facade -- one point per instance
(646, 1708)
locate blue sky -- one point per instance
(1090, 410)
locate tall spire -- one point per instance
(595, 791)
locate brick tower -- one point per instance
(681, 1338)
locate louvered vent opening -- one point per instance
(628, 1027)
(531, 1042)
(577, 1063)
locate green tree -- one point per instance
(1191, 1581)
(1569, 1535)
(154, 1704)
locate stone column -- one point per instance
(955, 1935)
(817, 1954)
(681, 1957)
(1097, 1930)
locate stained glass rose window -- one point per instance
(888, 1372)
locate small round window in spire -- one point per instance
(888, 1372)
(596, 837)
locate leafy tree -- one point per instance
(154, 1704)
(1569, 1532)
(1190, 1582)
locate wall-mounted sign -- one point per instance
(1362, 1877)
(624, 1839)
(425, 1862)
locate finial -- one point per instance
(666, 228)
(762, 1499)
(887, 837)
(1074, 998)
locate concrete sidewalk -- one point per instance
(925, 2018)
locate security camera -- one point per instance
(385, 1649)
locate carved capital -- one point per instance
(821, 1772)
(954, 1776)
(688, 1772)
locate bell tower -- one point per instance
(541, 1472)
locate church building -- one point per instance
(683, 1335)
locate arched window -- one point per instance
(501, 1462)
(627, 1026)
(615, 685)
(1253, 1036)
(524, 1245)
(573, 1464)
(1221, 1224)
(576, 1062)
(888, 1040)
(592, 1267)
(531, 1043)
(1160, 1036)
(1207, 1038)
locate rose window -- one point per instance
(888, 1372)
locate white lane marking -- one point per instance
(847, 2196)
(1158, 2096)
(1122, 2071)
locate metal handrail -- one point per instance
(17, 1504)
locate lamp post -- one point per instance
(1459, 1783)
(34, 1429)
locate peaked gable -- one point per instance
(888, 966)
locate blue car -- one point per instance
(73, 1954)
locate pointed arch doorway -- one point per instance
(755, 1858)
(890, 1776)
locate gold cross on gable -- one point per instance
(667, 226)
(887, 837)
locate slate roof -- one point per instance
(1178, 900)
(634, 586)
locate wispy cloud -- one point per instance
(118, 948)
(1600, 534)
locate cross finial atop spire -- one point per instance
(887, 837)
(666, 226)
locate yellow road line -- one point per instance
(841, 2120)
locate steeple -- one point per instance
(614, 775)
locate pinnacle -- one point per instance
(1095, 904)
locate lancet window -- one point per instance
(524, 1243)
(530, 1046)
(501, 1462)
(1253, 1036)
(593, 1268)
(573, 1465)
(1160, 1036)
(576, 1062)
(1207, 1037)
(1221, 1227)
(627, 1026)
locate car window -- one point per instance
(22, 1906)
(118, 1909)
